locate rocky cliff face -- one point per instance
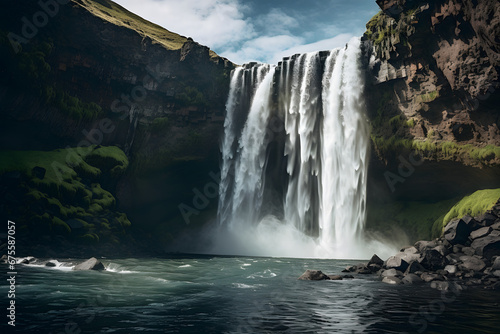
(89, 72)
(441, 61)
(433, 93)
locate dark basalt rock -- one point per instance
(487, 247)
(433, 260)
(90, 264)
(457, 231)
(414, 267)
(376, 260)
(411, 279)
(313, 275)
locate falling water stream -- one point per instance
(309, 200)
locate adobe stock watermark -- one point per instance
(31, 27)
(428, 314)
(406, 168)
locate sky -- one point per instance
(260, 30)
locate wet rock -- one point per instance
(411, 279)
(335, 277)
(347, 276)
(428, 277)
(487, 219)
(391, 280)
(52, 264)
(469, 251)
(472, 263)
(396, 262)
(496, 273)
(457, 231)
(389, 272)
(451, 269)
(442, 250)
(349, 269)
(482, 232)
(312, 275)
(425, 245)
(496, 263)
(433, 260)
(376, 260)
(90, 264)
(487, 247)
(414, 267)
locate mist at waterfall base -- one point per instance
(295, 157)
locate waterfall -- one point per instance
(322, 158)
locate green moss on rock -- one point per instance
(472, 205)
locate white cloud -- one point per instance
(276, 22)
(226, 27)
(262, 48)
(214, 23)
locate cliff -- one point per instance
(79, 73)
(433, 95)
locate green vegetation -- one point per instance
(428, 97)
(410, 123)
(393, 146)
(472, 205)
(160, 124)
(72, 106)
(191, 96)
(116, 14)
(415, 218)
(64, 185)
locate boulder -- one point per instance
(396, 262)
(428, 277)
(413, 267)
(482, 232)
(487, 247)
(451, 269)
(391, 280)
(496, 263)
(424, 245)
(469, 251)
(442, 250)
(347, 276)
(487, 219)
(90, 264)
(411, 279)
(433, 260)
(312, 275)
(457, 231)
(349, 269)
(496, 273)
(52, 263)
(390, 272)
(335, 277)
(471, 263)
(376, 260)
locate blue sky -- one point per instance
(260, 30)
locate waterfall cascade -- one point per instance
(295, 157)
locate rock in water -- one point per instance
(376, 260)
(412, 279)
(391, 280)
(90, 264)
(396, 262)
(313, 275)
